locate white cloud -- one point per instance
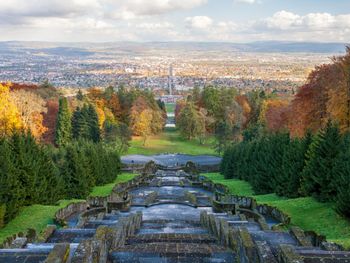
(199, 22)
(130, 9)
(245, 1)
(284, 20)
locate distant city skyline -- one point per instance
(175, 20)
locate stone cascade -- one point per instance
(170, 216)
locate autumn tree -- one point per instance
(141, 124)
(338, 87)
(10, 118)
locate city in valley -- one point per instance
(159, 66)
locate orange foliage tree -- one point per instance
(338, 105)
(10, 119)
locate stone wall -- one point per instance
(239, 240)
(62, 214)
(106, 239)
(30, 236)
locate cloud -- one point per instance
(130, 9)
(199, 22)
(284, 20)
(245, 1)
(45, 8)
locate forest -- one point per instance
(54, 147)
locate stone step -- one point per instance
(173, 238)
(127, 257)
(170, 249)
(20, 256)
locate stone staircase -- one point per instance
(171, 219)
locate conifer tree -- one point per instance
(11, 192)
(64, 124)
(342, 177)
(92, 120)
(318, 178)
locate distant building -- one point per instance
(171, 80)
(170, 98)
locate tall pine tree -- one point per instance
(318, 178)
(64, 126)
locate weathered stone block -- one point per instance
(59, 254)
(287, 254)
(299, 234)
(19, 242)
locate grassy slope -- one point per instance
(105, 190)
(170, 141)
(306, 212)
(38, 216)
(35, 216)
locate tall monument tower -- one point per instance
(171, 80)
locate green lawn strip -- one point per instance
(170, 141)
(36, 217)
(170, 107)
(39, 216)
(105, 190)
(305, 212)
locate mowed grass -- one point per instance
(305, 212)
(105, 190)
(36, 217)
(170, 141)
(39, 216)
(170, 107)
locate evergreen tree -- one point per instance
(288, 182)
(64, 126)
(75, 173)
(342, 177)
(318, 177)
(11, 192)
(92, 120)
(80, 124)
(80, 95)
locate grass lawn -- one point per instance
(305, 212)
(35, 216)
(39, 216)
(105, 190)
(170, 141)
(170, 107)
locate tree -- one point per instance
(93, 122)
(338, 87)
(80, 95)
(30, 107)
(118, 135)
(318, 178)
(191, 124)
(10, 119)
(142, 125)
(342, 177)
(85, 124)
(64, 124)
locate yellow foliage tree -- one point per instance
(10, 119)
(142, 124)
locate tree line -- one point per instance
(33, 173)
(314, 165)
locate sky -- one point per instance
(175, 20)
